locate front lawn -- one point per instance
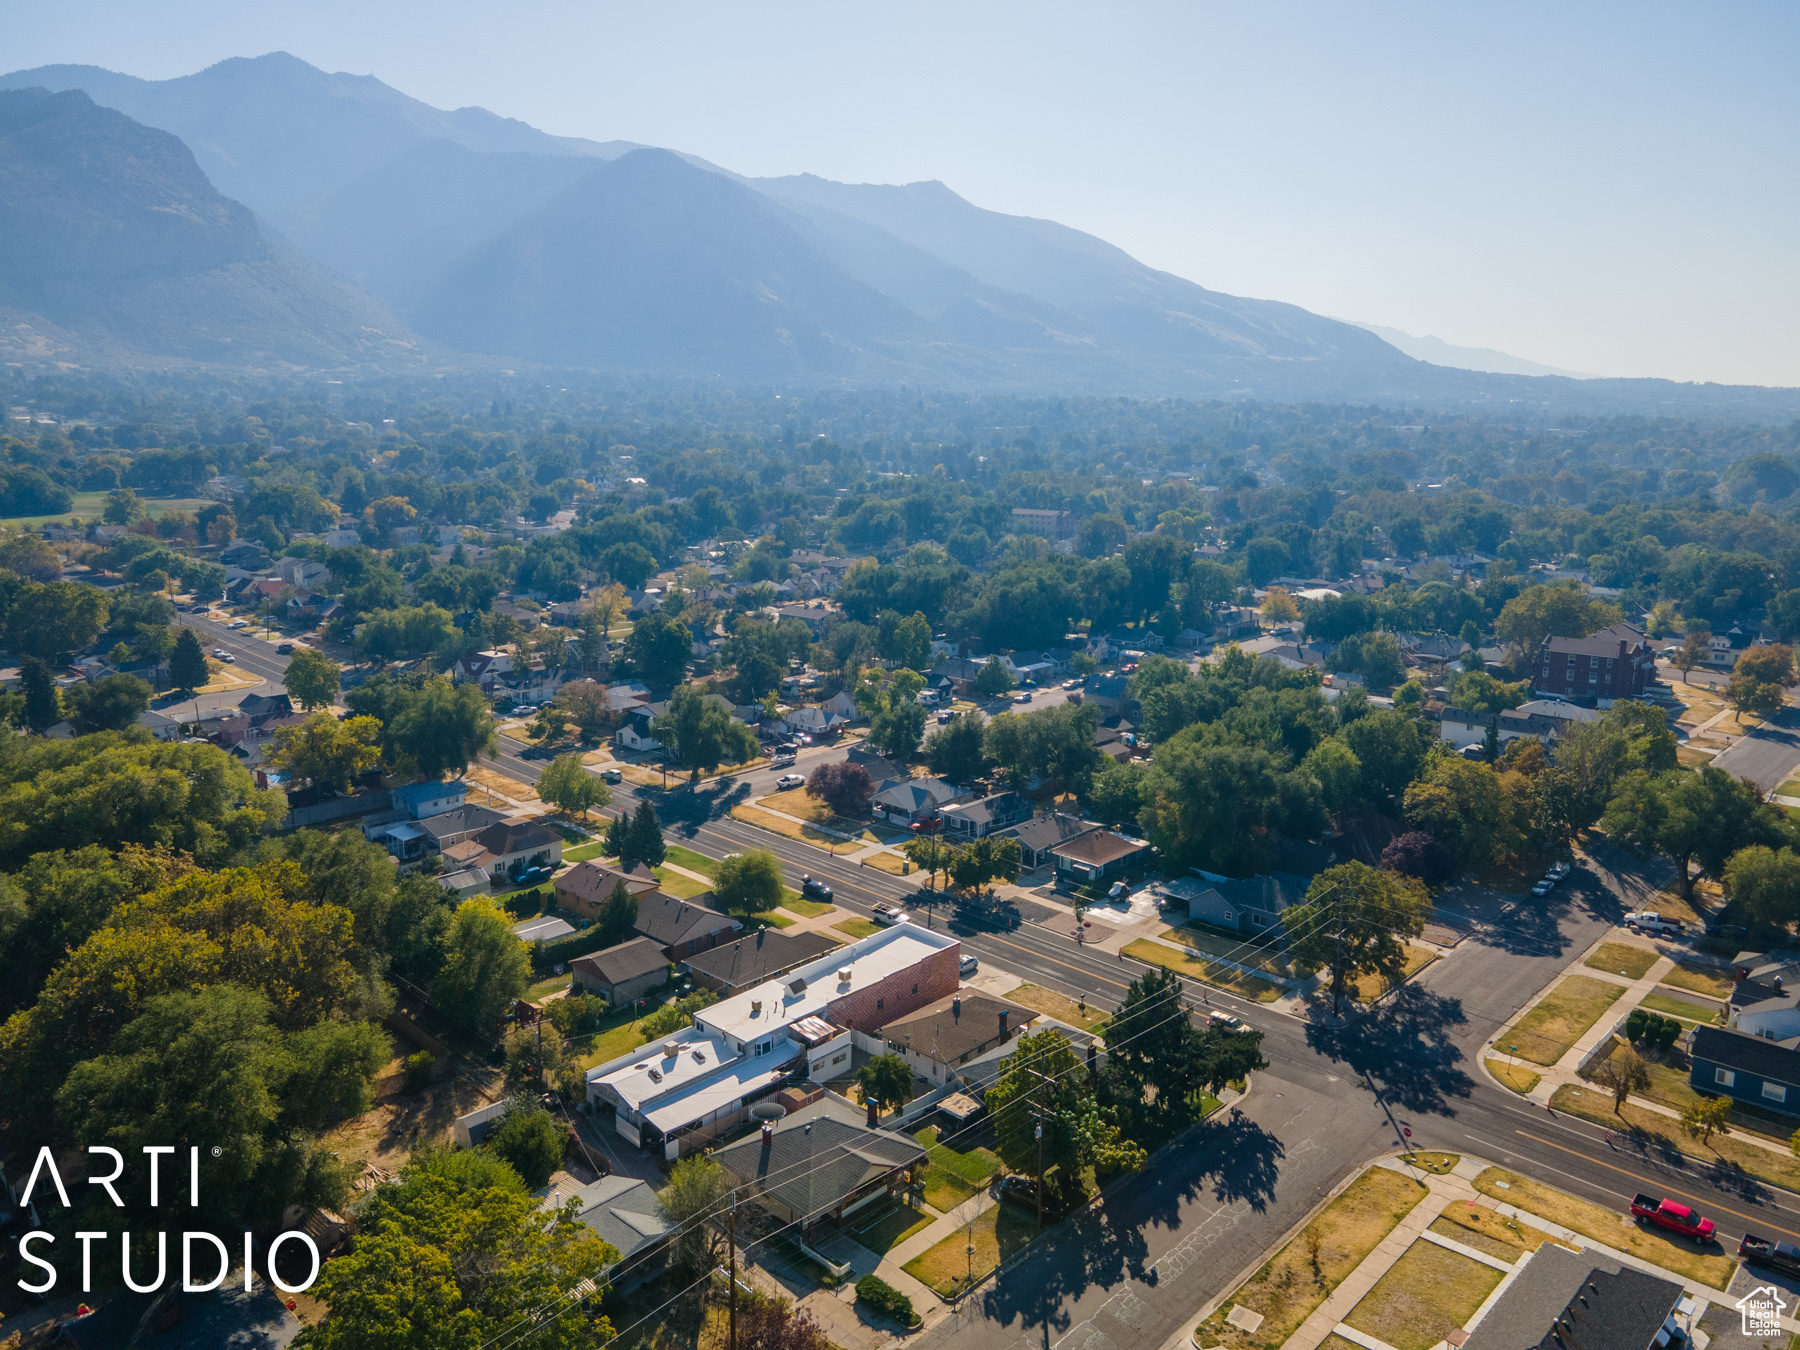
(694, 862)
(1290, 1284)
(1209, 941)
(888, 1226)
(1429, 1292)
(856, 929)
(677, 885)
(793, 829)
(1604, 1225)
(1622, 958)
(1545, 1034)
(1087, 1016)
(1675, 1007)
(1370, 987)
(1521, 1080)
(954, 1175)
(1664, 1134)
(1699, 979)
(996, 1233)
(1209, 972)
(584, 852)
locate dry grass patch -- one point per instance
(1206, 942)
(1438, 1164)
(1488, 1231)
(1669, 901)
(1623, 958)
(1520, 1079)
(1670, 1088)
(1428, 1293)
(891, 863)
(805, 834)
(499, 784)
(1211, 972)
(1545, 1034)
(1087, 1016)
(1301, 1276)
(996, 1233)
(1607, 1226)
(795, 802)
(1699, 979)
(1368, 988)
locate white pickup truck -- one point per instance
(1647, 921)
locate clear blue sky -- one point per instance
(1605, 187)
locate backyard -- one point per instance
(952, 1175)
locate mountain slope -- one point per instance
(278, 134)
(649, 263)
(1440, 353)
(1138, 307)
(116, 244)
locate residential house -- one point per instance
(302, 573)
(403, 839)
(1038, 838)
(1049, 524)
(517, 843)
(823, 1162)
(700, 1082)
(941, 1037)
(815, 722)
(625, 695)
(884, 773)
(634, 728)
(683, 927)
(162, 727)
(1748, 1068)
(623, 973)
(1029, 667)
(1250, 906)
(840, 704)
(586, 887)
(959, 671)
(261, 709)
(484, 668)
(990, 815)
(1107, 691)
(1432, 650)
(1582, 1300)
(245, 553)
(1765, 1001)
(421, 801)
(812, 615)
(341, 538)
(1096, 856)
(455, 826)
(914, 799)
(463, 882)
(626, 1214)
(1541, 719)
(764, 955)
(1614, 663)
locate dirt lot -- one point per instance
(387, 1135)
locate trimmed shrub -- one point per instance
(1635, 1021)
(418, 1069)
(885, 1300)
(1667, 1032)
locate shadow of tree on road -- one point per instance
(1404, 1048)
(684, 812)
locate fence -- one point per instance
(338, 808)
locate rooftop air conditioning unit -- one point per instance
(844, 975)
(755, 1006)
(671, 1049)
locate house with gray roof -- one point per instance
(989, 815)
(622, 973)
(767, 954)
(1038, 837)
(1558, 1298)
(823, 1162)
(1253, 905)
(915, 799)
(625, 1213)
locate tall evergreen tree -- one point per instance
(643, 839)
(187, 663)
(41, 707)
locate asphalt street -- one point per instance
(1769, 755)
(1136, 1269)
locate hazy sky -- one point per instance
(1608, 188)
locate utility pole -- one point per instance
(731, 1277)
(1040, 1176)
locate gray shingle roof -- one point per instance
(622, 1210)
(673, 922)
(761, 956)
(1051, 830)
(1621, 1308)
(818, 1156)
(627, 961)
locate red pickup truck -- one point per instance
(1677, 1218)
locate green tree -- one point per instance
(643, 838)
(1464, 807)
(311, 678)
(986, 860)
(567, 785)
(51, 621)
(1116, 794)
(929, 853)
(993, 679)
(1760, 679)
(458, 1255)
(1044, 1081)
(1223, 806)
(1390, 747)
(896, 731)
(328, 753)
(1355, 921)
(699, 729)
(439, 729)
(407, 633)
(1765, 882)
(1704, 1117)
(886, 1080)
(1702, 815)
(953, 751)
(618, 836)
(1154, 1048)
(1694, 650)
(122, 507)
(1381, 664)
(693, 1202)
(911, 643)
(187, 663)
(756, 675)
(485, 970)
(110, 703)
(43, 708)
(748, 882)
(1479, 692)
(1560, 610)
(1055, 744)
(659, 649)
(618, 916)
(529, 1139)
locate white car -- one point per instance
(1226, 1021)
(887, 915)
(969, 964)
(238, 623)
(219, 653)
(790, 780)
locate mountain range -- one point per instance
(330, 220)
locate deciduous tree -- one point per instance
(1702, 815)
(749, 882)
(953, 751)
(886, 1080)
(1355, 921)
(845, 787)
(110, 703)
(485, 968)
(567, 785)
(701, 733)
(1765, 882)
(311, 678)
(329, 753)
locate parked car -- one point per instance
(219, 653)
(531, 876)
(612, 776)
(238, 623)
(1023, 696)
(1559, 873)
(1762, 1251)
(285, 649)
(1119, 890)
(525, 710)
(945, 716)
(784, 761)
(1226, 1021)
(1677, 1218)
(1543, 887)
(969, 964)
(927, 825)
(1647, 921)
(790, 780)
(228, 659)
(888, 915)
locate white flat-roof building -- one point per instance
(690, 1088)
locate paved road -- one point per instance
(1769, 755)
(1136, 1270)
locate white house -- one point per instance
(634, 734)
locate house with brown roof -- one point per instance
(588, 885)
(683, 927)
(1103, 853)
(943, 1036)
(516, 842)
(766, 954)
(1612, 664)
(622, 973)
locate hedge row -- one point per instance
(885, 1300)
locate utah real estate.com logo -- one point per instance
(1762, 1309)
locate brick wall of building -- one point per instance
(905, 991)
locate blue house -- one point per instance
(1750, 1069)
(422, 801)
